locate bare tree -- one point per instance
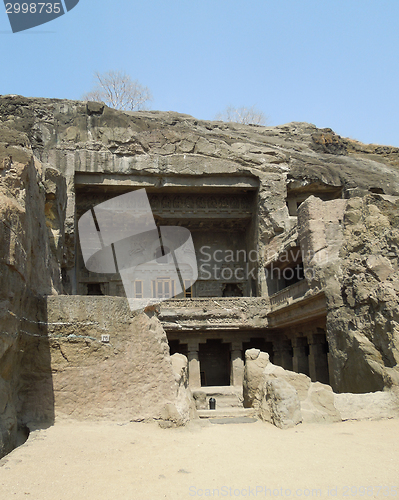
(244, 115)
(117, 90)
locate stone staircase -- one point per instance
(229, 401)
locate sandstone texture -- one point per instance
(128, 377)
(84, 137)
(281, 406)
(200, 400)
(255, 363)
(351, 248)
(53, 361)
(32, 212)
(184, 402)
(368, 406)
(285, 398)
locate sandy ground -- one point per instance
(246, 460)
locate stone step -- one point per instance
(227, 403)
(226, 412)
(226, 396)
(222, 390)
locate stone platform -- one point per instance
(227, 413)
(226, 396)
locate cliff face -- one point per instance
(79, 138)
(352, 251)
(30, 266)
(47, 144)
(364, 325)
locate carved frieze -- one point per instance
(185, 204)
(208, 289)
(200, 203)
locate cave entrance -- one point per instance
(214, 357)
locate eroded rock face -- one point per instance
(184, 408)
(351, 248)
(375, 405)
(285, 398)
(255, 363)
(30, 267)
(49, 364)
(281, 406)
(130, 376)
(82, 137)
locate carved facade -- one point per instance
(296, 239)
(236, 303)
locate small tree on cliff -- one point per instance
(117, 90)
(245, 115)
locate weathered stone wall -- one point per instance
(285, 398)
(31, 242)
(351, 251)
(165, 150)
(48, 146)
(128, 378)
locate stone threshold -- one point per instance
(226, 412)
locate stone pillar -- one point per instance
(277, 357)
(237, 364)
(318, 363)
(282, 354)
(300, 362)
(194, 374)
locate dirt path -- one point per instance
(255, 460)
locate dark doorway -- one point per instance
(214, 357)
(232, 290)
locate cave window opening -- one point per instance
(232, 290)
(293, 275)
(94, 289)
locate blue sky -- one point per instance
(334, 64)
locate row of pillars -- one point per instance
(306, 355)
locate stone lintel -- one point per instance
(152, 181)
